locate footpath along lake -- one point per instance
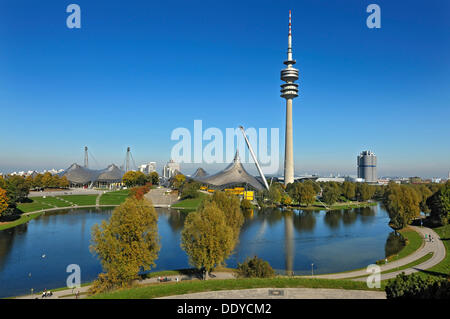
(36, 255)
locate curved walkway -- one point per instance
(283, 293)
(436, 247)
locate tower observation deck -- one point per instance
(289, 91)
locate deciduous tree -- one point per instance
(3, 201)
(127, 244)
(439, 204)
(207, 238)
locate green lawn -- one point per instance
(191, 203)
(39, 203)
(172, 288)
(80, 200)
(22, 220)
(337, 206)
(415, 241)
(114, 198)
(443, 268)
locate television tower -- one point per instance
(289, 91)
(128, 160)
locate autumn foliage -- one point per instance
(139, 192)
(3, 201)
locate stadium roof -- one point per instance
(233, 174)
(200, 172)
(77, 174)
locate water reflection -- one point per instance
(394, 243)
(289, 241)
(333, 218)
(305, 221)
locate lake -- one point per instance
(36, 255)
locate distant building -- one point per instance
(171, 169)
(367, 166)
(354, 179)
(331, 179)
(148, 168)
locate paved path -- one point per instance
(68, 293)
(436, 247)
(72, 191)
(160, 197)
(284, 293)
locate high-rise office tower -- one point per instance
(367, 166)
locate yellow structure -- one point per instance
(249, 195)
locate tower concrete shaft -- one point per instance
(86, 158)
(289, 91)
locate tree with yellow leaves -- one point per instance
(126, 245)
(207, 238)
(3, 201)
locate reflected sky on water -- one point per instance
(35, 255)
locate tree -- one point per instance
(424, 193)
(330, 195)
(402, 203)
(286, 200)
(230, 205)
(17, 190)
(127, 244)
(439, 204)
(349, 190)
(306, 194)
(55, 181)
(190, 190)
(3, 201)
(416, 287)
(64, 182)
(255, 268)
(364, 192)
(207, 238)
(153, 178)
(2, 182)
(246, 205)
(178, 180)
(275, 193)
(129, 178)
(37, 180)
(46, 180)
(140, 178)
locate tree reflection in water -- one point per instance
(394, 243)
(305, 221)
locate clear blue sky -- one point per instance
(138, 69)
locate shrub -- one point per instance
(255, 267)
(417, 287)
(246, 205)
(190, 190)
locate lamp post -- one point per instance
(312, 269)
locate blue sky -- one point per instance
(136, 70)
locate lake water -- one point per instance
(35, 255)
